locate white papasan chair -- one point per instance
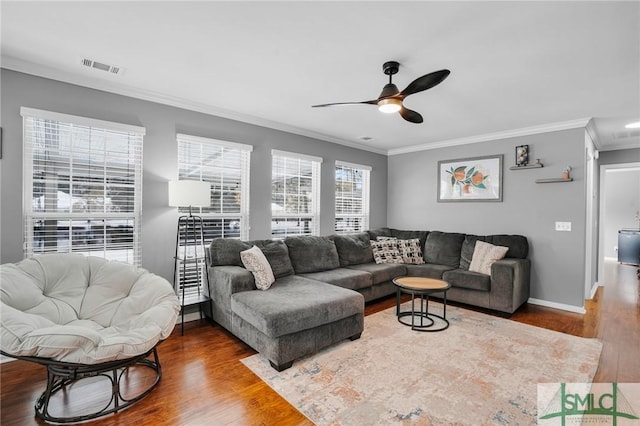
(81, 317)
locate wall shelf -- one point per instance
(529, 166)
(554, 180)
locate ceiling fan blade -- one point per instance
(425, 82)
(411, 115)
(345, 103)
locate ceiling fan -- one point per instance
(390, 99)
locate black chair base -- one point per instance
(60, 375)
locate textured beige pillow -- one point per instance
(411, 251)
(255, 261)
(485, 255)
(386, 251)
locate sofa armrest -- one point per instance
(230, 279)
(223, 282)
(510, 284)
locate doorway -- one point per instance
(619, 203)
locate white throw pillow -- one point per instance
(255, 261)
(485, 255)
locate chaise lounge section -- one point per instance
(322, 283)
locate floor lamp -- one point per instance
(190, 252)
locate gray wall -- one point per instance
(528, 208)
(162, 123)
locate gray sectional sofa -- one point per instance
(322, 284)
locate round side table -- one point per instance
(422, 320)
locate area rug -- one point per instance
(481, 370)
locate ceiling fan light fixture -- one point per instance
(389, 105)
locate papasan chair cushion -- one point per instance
(85, 310)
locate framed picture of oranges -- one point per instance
(470, 179)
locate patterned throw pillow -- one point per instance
(410, 251)
(485, 255)
(256, 262)
(386, 251)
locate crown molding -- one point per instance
(156, 97)
(31, 68)
(591, 129)
(526, 131)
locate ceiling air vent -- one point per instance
(90, 63)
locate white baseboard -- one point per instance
(562, 306)
(593, 290)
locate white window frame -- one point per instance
(244, 152)
(313, 217)
(204, 170)
(34, 121)
(360, 217)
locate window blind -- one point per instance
(295, 194)
(82, 186)
(352, 197)
(225, 165)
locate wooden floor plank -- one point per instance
(204, 381)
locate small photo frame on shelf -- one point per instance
(522, 155)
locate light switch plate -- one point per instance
(563, 226)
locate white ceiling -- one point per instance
(513, 65)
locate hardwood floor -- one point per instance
(204, 383)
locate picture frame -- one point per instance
(522, 155)
(470, 179)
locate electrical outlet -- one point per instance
(563, 226)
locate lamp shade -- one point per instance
(189, 193)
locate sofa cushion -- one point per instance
(226, 251)
(518, 245)
(427, 270)
(467, 279)
(443, 248)
(381, 272)
(353, 248)
(294, 304)
(343, 277)
(409, 235)
(277, 255)
(312, 254)
(485, 255)
(385, 250)
(468, 246)
(379, 232)
(255, 261)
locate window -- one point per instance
(225, 165)
(295, 194)
(352, 197)
(82, 186)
